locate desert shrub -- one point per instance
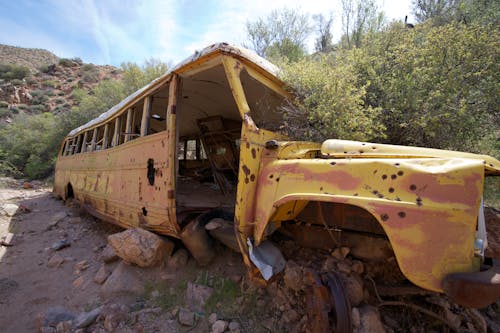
(11, 72)
(60, 101)
(50, 83)
(17, 82)
(65, 62)
(89, 67)
(4, 112)
(327, 102)
(3, 104)
(31, 80)
(37, 108)
(22, 107)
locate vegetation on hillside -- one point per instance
(29, 144)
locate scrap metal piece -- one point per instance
(267, 258)
(476, 289)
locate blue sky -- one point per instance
(116, 31)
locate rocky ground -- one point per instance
(59, 273)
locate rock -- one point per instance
(215, 223)
(294, 276)
(54, 316)
(7, 240)
(353, 284)
(47, 330)
(140, 247)
(85, 319)
(219, 326)
(108, 255)
(114, 315)
(81, 266)
(125, 280)
(212, 318)
(10, 209)
(197, 295)
(329, 264)
(370, 320)
(101, 275)
(78, 282)
(60, 244)
(178, 260)
(233, 326)
(291, 316)
(27, 185)
(343, 267)
(55, 261)
(356, 320)
(186, 317)
(358, 267)
(64, 327)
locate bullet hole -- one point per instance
(396, 164)
(380, 195)
(345, 152)
(252, 178)
(321, 188)
(289, 212)
(374, 148)
(394, 176)
(391, 190)
(400, 173)
(271, 176)
(402, 214)
(361, 152)
(413, 187)
(144, 211)
(375, 192)
(248, 145)
(254, 153)
(384, 177)
(355, 194)
(419, 201)
(384, 217)
(397, 199)
(333, 163)
(363, 144)
(278, 179)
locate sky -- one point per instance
(117, 31)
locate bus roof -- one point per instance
(223, 48)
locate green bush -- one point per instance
(17, 82)
(4, 112)
(37, 108)
(50, 83)
(65, 62)
(60, 101)
(3, 104)
(11, 72)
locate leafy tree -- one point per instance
(282, 34)
(358, 18)
(324, 41)
(136, 77)
(440, 11)
(326, 96)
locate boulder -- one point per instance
(114, 315)
(54, 316)
(219, 326)
(10, 209)
(140, 247)
(354, 287)
(108, 255)
(294, 276)
(85, 319)
(178, 260)
(186, 317)
(125, 280)
(55, 261)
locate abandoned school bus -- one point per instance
(201, 141)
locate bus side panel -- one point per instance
(126, 185)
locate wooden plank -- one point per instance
(128, 129)
(146, 113)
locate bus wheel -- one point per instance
(328, 305)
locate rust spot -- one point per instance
(394, 176)
(254, 153)
(333, 163)
(170, 194)
(384, 217)
(246, 170)
(174, 109)
(413, 187)
(252, 178)
(384, 176)
(391, 190)
(402, 214)
(289, 212)
(248, 145)
(246, 180)
(375, 171)
(400, 173)
(355, 195)
(321, 188)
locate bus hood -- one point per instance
(355, 149)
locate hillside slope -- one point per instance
(31, 58)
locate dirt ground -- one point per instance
(35, 278)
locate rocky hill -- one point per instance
(34, 81)
(31, 58)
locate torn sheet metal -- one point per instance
(267, 258)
